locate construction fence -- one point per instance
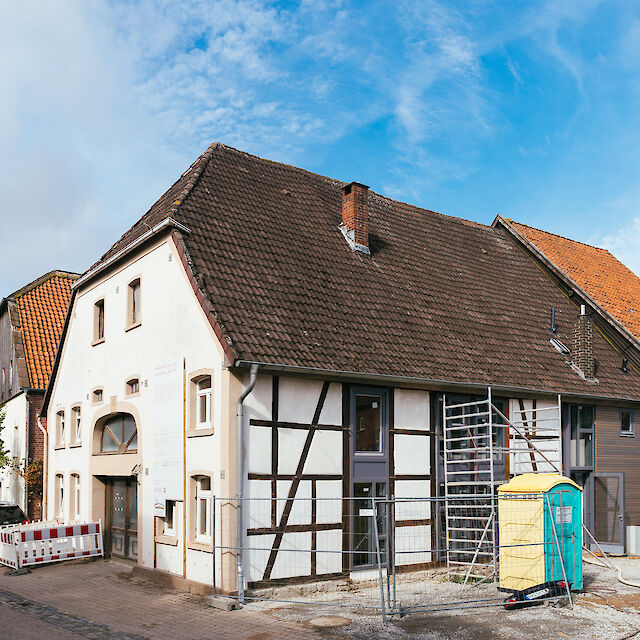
(25, 545)
(397, 555)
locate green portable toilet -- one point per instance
(530, 507)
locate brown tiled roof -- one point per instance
(602, 276)
(440, 298)
(42, 307)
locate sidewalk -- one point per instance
(100, 600)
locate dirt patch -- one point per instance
(608, 611)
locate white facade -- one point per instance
(14, 435)
(172, 328)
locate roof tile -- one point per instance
(42, 310)
(612, 285)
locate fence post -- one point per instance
(390, 545)
(378, 556)
(393, 549)
(213, 543)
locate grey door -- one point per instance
(605, 517)
(369, 472)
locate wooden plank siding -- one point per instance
(615, 453)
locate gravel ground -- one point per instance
(594, 614)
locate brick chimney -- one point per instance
(582, 355)
(355, 216)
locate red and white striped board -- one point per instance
(31, 545)
(8, 550)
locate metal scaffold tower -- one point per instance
(482, 449)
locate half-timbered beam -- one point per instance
(295, 483)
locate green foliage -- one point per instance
(5, 460)
(31, 473)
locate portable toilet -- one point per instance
(539, 521)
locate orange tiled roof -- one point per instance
(42, 312)
(603, 277)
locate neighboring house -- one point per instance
(31, 321)
(356, 317)
(594, 277)
(593, 273)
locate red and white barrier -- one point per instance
(41, 543)
(8, 550)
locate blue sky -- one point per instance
(528, 109)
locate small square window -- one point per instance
(627, 422)
(96, 396)
(133, 386)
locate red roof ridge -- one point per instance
(60, 273)
(557, 235)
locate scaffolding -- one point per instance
(483, 448)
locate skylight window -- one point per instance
(560, 346)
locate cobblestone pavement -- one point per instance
(17, 625)
(102, 601)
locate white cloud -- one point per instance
(105, 103)
(624, 243)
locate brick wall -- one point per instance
(355, 212)
(583, 346)
(36, 449)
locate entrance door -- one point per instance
(606, 516)
(369, 472)
(122, 517)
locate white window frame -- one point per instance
(60, 495)
(170, 508)
(206, 394)
(99, 320)
(77, 424)
(134, 310)
(75, 481)
(60, 426)
(203, 500)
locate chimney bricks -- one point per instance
(355, 216)
(583, 345)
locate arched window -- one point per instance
(119, 434)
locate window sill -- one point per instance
(194, 433)
(133, 326)
(95, 343)
(132, 395)
(169, 540)
(627, 435)
(58, 447)
(75, 445)
(133, 452)
(200, 546)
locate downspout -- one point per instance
(240, 534)
(45, 466)
(26, 458)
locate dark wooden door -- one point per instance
(122, 517)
